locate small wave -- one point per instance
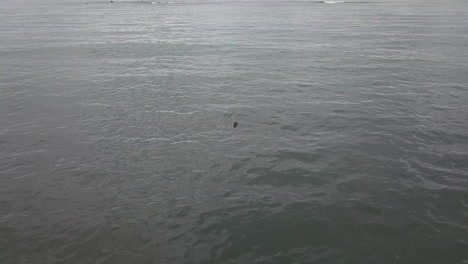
(175, 112)
(97, 104)
(186, 141)
(331, 2)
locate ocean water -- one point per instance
(117, 142)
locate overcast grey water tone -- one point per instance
(117, 142)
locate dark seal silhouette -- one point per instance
(235, 124)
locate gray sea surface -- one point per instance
(117, 142)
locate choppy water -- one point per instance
(117, 145)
